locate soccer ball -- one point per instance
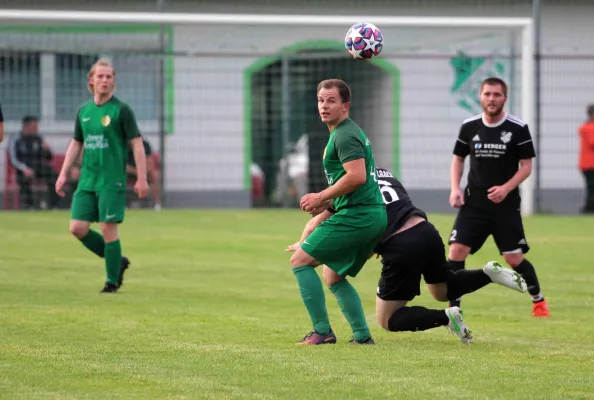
(364, 41)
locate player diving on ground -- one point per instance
(411, 247)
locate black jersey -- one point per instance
(495, 151)
(399, 206)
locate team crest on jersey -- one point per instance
(105, 120)
(506, 136)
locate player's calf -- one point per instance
(416, 318)
(516, 260)
(456, 260)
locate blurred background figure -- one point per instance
(152, 170)
(32, 158)
(586, 162)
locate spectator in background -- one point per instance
(1, 125)
(586, 165)
(152, 171)
(31, 156)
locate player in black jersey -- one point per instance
(411, 247)
(496, 143)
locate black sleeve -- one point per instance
(525, 144)
(1, 116)
(78, 135)
(147, 148)
(462, 148)
(128, 121)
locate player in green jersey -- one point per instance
(105, 127)
(345, 241)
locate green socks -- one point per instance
(350, 304)
(112, 252)
(94, 242)
(312, 293)
(113, 261)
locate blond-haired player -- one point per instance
(105, 127)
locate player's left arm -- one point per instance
(351, 153)
(130, 128)
(139, 158)
(525, 153)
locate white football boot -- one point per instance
(505, 276)
(457, 326)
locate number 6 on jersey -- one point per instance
(388, 192)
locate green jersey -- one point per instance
(105, 131)
(348, 142)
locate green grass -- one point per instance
(210, 309)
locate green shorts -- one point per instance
(103, 206)
(345, 241)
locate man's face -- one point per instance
(30, 128)
(103, 80)
(493, 100)
(330, 106)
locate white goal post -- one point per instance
(523, 25)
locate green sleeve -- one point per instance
(128, 123)
(349, 146)
(78, 135)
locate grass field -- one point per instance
(210, 309)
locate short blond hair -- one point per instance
(99, 63)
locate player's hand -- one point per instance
(141, 188)
(311, 201)
(497, 194)
(60, 184)
(294, 247)
(318, 210)
(29, 173)
(456, 198)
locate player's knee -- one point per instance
(458, 252)
(330, 277)
(79, 229)
(513, 259)
(383, 321)
(300, 259)
(439, 291)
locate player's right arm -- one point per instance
(311, 226)
(71, 156)
(461, 150)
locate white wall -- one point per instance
(209, 101)
(430, 116)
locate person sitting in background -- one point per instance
(1, 125)
(31, 156)
(586, 162)
(152, 171)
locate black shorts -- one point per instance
(408, 255)
(474, 225)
